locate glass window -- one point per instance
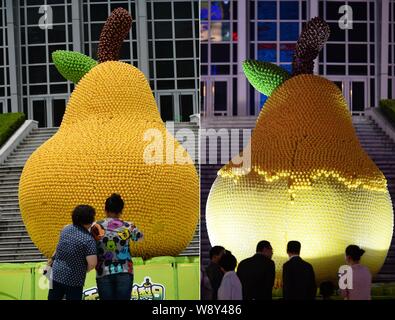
(267, 10)
(37, 74)
(203, 52)
(359, 10)
(289, 31)
(124, 53)
(203, 70)
(267, 31)
(162, 10)
(336, 34)
(35, 35)
(58, 88)
(203, 10)
(220, 53)
(289, 10)
(335, 53)
(99, 12)
(185, 68)
(220, 69)
(164, 49)
(332, 10)
(165, 84)
(335, 69)
(286, 52)
(184, 49)
(220, 31)
(267, 52)
(37, 54)
(33, 16)
(358, 33)
(186, 84)
(357, 53)
(163, 30)
(357, 70)
(183, 29)
(182, 10)
(59, 14)
(220, 10)
(57, 34)
(164, 69)
(287, 67)
(372, 35)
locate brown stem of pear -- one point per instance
(115, 30)
(310, 43)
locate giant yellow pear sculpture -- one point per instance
(101, 148)
(309, 178)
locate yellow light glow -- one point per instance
(310, 181)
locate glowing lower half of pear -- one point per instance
(325, 218)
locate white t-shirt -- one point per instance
(230, 288)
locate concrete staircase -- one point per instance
(374, 141)
(15, 243)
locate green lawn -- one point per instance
(9, 123)
(387, 107)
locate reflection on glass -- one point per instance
(289, 10)
(267, 52)
(267, 31)
(220, 92)
(286, 52)
(289, 31)
(267, 10)
(204, 32)
(220, 31)
(287, 67)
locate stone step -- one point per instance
(27, 247)
(11, 220)
(9, 254)
(14, 239)
(13, 225)
(23, 260)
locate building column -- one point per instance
(13, 55)
(383, 45)
(142, 35)
(313, 12)
(242, 54)
(77, 26)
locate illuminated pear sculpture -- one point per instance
(101, 148)
(309, 178)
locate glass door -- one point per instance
(58, 106)
(358, 96)
(355, 93)
(186, 106)
(217, 94)
(166, 106)
(2, 106)
(38, 110)
(48, 111)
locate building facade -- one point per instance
(163, 43)
(358, 57)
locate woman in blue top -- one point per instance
(114, 271)
(75, 255)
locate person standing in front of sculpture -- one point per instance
(114, 271)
